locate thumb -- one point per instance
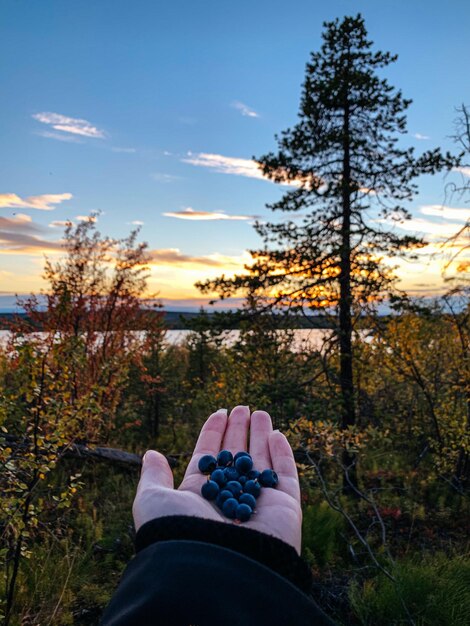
(155, 471)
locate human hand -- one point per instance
(278, 511)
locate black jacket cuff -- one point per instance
(266, 549)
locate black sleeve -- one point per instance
(190, 571)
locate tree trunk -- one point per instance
(461, 476)
(462, 469)
(348, 417)
(155, 408)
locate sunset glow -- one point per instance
(165, 136)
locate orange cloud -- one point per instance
(174, 257)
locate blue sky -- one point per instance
(137, 109)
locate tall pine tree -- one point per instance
(352, 177)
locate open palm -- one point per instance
(278, 511)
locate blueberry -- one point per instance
(229, 508)
(210, 490)
(235, 487)
(253, 474)
(252, 487)
(207, 464)
(224, 458)
(224, 495)
(244, 464)
(240, 454)
(268, 478)
(243, 512)
(247, 498)
(231, 473)
(219, 477)
(242, 480)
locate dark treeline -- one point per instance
(175, 320)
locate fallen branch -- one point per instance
(80, 450)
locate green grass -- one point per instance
(321, 534)
(435, 591)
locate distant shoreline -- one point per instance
(182, 320)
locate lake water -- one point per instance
(304, 338)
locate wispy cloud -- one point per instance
(137, 223)
(73, 125)
(445, 212)
(421, 137)
(465, 171)
(225, 164)
(52, 135)
(232, 165)
(87, 218)
(368, 191)
(44, 202)
(174, 257)
(191, 214)
(437, 230)
(164, 178)
(244, 109)
(59, 223)
(124, 150)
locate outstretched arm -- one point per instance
(195, 566)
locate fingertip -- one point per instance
(260, 429)
(279, 440)
(281, 452)
(156, 470)
(151, 456)
(284, 464)
(217, 420)
(238, 423)
(261, 415)
(240, 408)
(261, 424)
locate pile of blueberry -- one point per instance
(233, 483)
